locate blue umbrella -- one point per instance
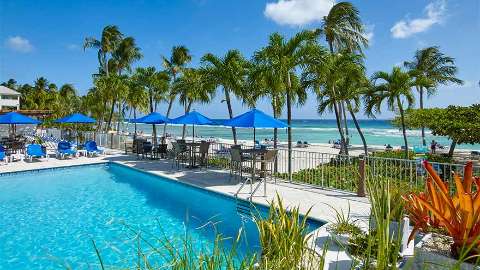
(14, 118)
(193, 118)
(255, 119)
(152, 118)
(76, 118)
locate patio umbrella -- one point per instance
(76, 118)
(255, 119)
(193, 118)
(14, 118)
(152, 118)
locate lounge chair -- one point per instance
(35, 151)
(299, 144)
(92, 148)
(64, 148)
(3, 155)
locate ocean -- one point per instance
(376, 132)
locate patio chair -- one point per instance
(203, 153)
(237, 160)
(147, 148)
(161, 150)
(35, 151)
(267, 164)
(180, 153)
(64, 149)
(92, 148)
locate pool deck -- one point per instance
(319, 200)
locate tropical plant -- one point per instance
(229, 72)
(137, 99)
(458, 214)
(431, 64)
(193, 86)
(344, 31)
(111, 37)
(285, 57)
(174, 66)
(393, 88)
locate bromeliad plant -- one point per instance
(459, 214)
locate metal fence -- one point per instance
(324, 170)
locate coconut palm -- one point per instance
(287, 56)
(174, 66)
(137, 99)
(68, 102)
(229, 72)
(344, 31)
(394, 89)
(194, 86)
(431, 64)
(156, 84)
(111, 37)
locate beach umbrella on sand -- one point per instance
(76, 118)
(193, 118)
(14, 118)
(255, 119)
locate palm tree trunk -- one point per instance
(275, 134)
(343, 147)
(230, 113)
(289, 128)
(364, 142)
(170, 102)
(111, 114)
(187, 110)
(154, 129)
(424, 142)
(120, 116)
(400, 107)
(135, 117)
(347, 137)
(452, 148)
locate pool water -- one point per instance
(50, 218)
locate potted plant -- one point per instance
(343, 227)
(447, 220)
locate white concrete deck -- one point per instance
(320, 201)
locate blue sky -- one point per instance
(44, 38)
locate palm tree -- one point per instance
(123, 56)
(392, 88)
(68, 100)
(344, 31)
(431, 64)
(111, 37)
(229, 72)
(156, 85)
(287, 56)
(174, 66)
(193, 86)
(136, 99)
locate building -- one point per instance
(9, 99)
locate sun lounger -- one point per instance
(35, 151)
(64, 148)
(92, 148)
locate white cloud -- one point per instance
(434, 13)
(369, 28)
(298, 12)
(73, 47)
(19, 44)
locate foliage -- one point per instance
(458, 214)
(459, 124)
(343, 223)
(284, 239)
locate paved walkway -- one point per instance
(320, 201)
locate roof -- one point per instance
(7, 91)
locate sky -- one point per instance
(44, 38)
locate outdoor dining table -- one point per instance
(256, 155)
(191, 151)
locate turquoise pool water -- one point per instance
(50, 217)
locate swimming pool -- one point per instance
(50, 217)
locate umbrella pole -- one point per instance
(193, 133)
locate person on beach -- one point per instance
(433, 146)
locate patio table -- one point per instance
(191, 150)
